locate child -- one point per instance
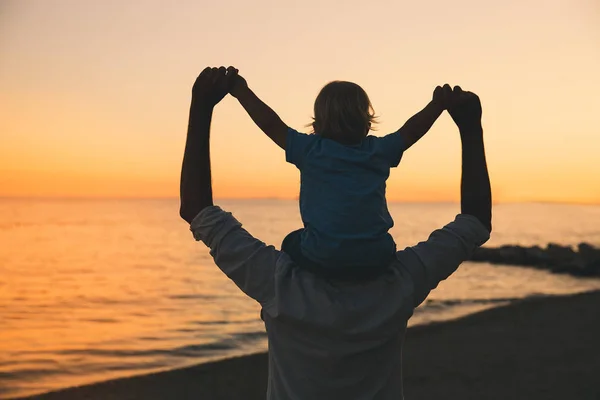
(343, 173)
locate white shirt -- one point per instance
(332, 340)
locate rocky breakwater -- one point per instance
(582, 261)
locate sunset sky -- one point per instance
(94, 95)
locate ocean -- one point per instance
(97, 289)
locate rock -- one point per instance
(554, 258)
(559, 254)
(588, 252)
(575, 267)
(535, 256)
(594, 268)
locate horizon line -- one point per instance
(285, 199)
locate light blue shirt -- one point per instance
(328, 339)
(342, 198)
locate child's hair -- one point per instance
(343, 112)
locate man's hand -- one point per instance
(465, 109)
(442, 96)
(212, 85)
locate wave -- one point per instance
(433, 303)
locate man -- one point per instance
(328, 339)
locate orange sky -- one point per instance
(94, 95)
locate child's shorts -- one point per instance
(292, 246)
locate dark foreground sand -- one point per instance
(545, 348)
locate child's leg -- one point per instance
(291, 243)
(292, 246)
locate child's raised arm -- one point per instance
(421, 122)
(262, 115)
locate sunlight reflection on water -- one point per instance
(95, 289)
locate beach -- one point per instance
(537, 348)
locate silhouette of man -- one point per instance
(328, 339)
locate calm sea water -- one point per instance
(98, 289)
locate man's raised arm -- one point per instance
(247, 261)
(475, 191)
(196, 186)
(431, 261)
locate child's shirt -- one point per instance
(342, 198)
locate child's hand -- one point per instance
(442, 96)
(238, 83)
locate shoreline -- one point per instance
(537, 348)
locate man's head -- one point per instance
(343, 112)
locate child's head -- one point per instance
(343, 112)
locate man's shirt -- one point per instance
(327, 339)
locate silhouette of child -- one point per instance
(343, 174)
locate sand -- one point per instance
(544, 348)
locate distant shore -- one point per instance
(542, 348)
(583, 262)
